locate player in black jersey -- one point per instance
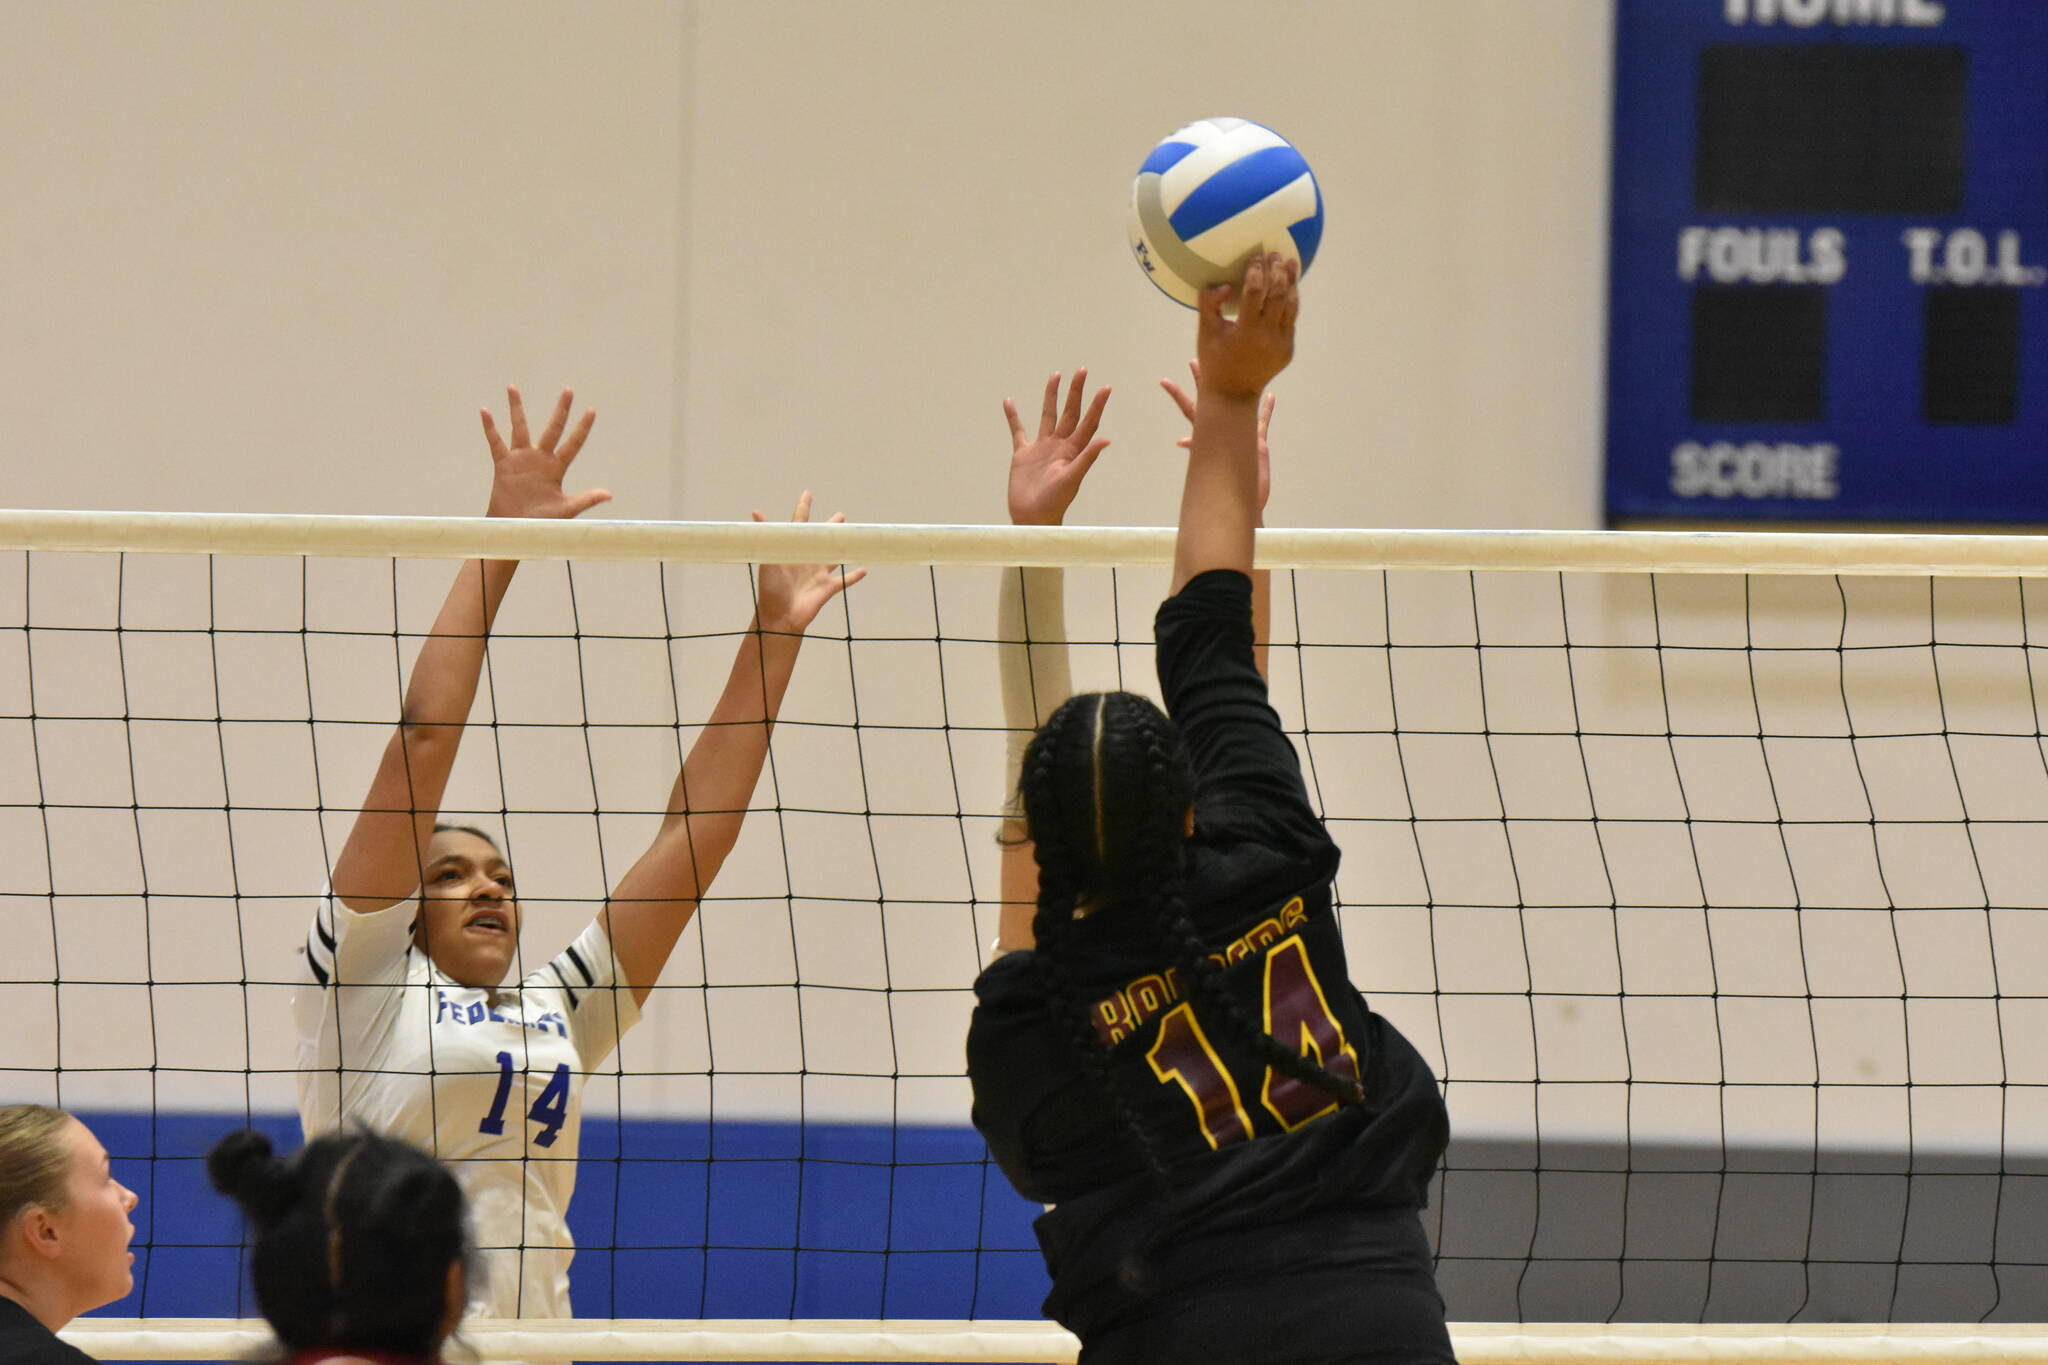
(1235, 1148)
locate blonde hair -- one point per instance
(33, 1158)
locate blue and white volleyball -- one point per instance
(1211, 195)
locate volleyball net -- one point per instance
(1708, 871)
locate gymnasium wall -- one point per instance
(272, 257)
(266, 257)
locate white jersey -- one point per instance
(496, 1091)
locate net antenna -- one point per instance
(1707, 869)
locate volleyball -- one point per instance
(1214, 192)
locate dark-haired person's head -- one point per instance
(1108, 796)
(64, 1227)
(357, 1242)
(469, 912)
(1108, 801)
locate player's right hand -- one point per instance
(1046, 472)
(1240, 357)
(526, 475)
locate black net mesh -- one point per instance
(1718, 902)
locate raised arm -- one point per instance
(380, 864)
(655, 899)
(1262, 579)
(1031, 622)
(1219, 507)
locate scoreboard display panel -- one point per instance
(1829, 253)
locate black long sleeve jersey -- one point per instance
(1288, 1228)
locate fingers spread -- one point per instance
(803, 507)
(583, 502)
(497, 442)
(835, 518)
(1017, 440)
(520, 440)
(1253, 304)
(1085, 461)
(1290, 293)
(1072, 413)
(1086, 431)
(1048, 412)
(1180, 398)
(577, 436)
(557, 420)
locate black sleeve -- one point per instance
(25, 1341)
(1045, 1119)
(1004, 1086)
(1247, 777)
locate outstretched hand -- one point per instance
(1045, 473)
(526, 475)
(788, 597)
(1186, 404)
(1239, 358)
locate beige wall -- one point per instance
(264, 256)
(271, 256)
(902, 212)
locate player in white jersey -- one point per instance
(405, 1021)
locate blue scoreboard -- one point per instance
(1830, 246)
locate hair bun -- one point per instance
(418, 1201)
(243, 1166)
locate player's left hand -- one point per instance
(1046, 473)
(788, 597)
(1186, 404)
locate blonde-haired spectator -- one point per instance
(64, 1232)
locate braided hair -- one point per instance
(1064, 835)
(1106, 789)
(351, 1239)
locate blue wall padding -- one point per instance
(676, 1219)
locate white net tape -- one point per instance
(1475, 1343)
(1074, 546)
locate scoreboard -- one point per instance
(1829, 261)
